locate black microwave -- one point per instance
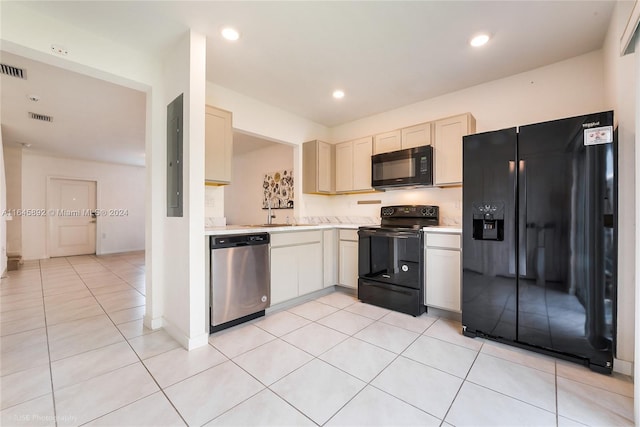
(403, 168)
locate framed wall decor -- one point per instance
(278, 190)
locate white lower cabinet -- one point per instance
(348, 258)
(443, 271)
(309, 268)
(329, 253)
(284, 274)
(296, 264)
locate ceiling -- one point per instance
(92, 119)
(383, 54)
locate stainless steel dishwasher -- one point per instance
(239, 278)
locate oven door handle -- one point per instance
(394, 234)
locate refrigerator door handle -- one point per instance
(522, 218)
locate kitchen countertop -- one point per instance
(443, 229)
(247, 229)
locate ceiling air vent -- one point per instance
(12, 71)
(41, 117)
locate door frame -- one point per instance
(50, 178)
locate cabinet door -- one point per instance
(447, 151)
(218, 144)
(284, 274)
(325, 168)
(329, 257)
(344, 166)
(348, 265)
(416, 136)
(442, 273)
(318, 167)
(309, 267)
(385, 142)
(362, 150)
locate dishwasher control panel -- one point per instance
(218, 242)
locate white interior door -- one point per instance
(72, 227)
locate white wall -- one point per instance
(185, 305)
(257, 118)
(119, 187)
(13, 174)
(563, 89)
(621, 81)
(243, 197)
(29, 34)
(3, 206)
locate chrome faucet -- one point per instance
(269, 216)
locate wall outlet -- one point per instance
(104, 235)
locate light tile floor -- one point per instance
(74, 351)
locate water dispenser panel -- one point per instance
(488, 221)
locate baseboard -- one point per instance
(152, 323)
(451, 315)
(623, 367)
(120, 251)
(301, 299)
(185, 341)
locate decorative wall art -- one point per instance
(278, 190)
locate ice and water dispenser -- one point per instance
(488, 221)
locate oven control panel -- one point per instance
(409, 211)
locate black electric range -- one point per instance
(391, 258)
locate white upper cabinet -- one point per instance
(318, 167)
(218, 138)
(409, 137)
(447, 148)
(416, 136)
(362, 151)
(353, 165)
(386, 142)
(344, 166)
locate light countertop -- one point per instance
(444, 229)
(247, 229)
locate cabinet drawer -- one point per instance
(349, 235)
(299, 238)
(439, 240)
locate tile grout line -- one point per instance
(140, 360)
(266, 387)
(555, 377)
(132, 349)
(464, 380)
(318, 358)
(122, 278)
(401, 355)
(369, 383)
(46, 329)
(313, 357)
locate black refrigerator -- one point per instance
(539, 238)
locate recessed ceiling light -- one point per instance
(479, 40)
(230, 34)
(338, 94)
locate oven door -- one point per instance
(390, 272)
(390, 256)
